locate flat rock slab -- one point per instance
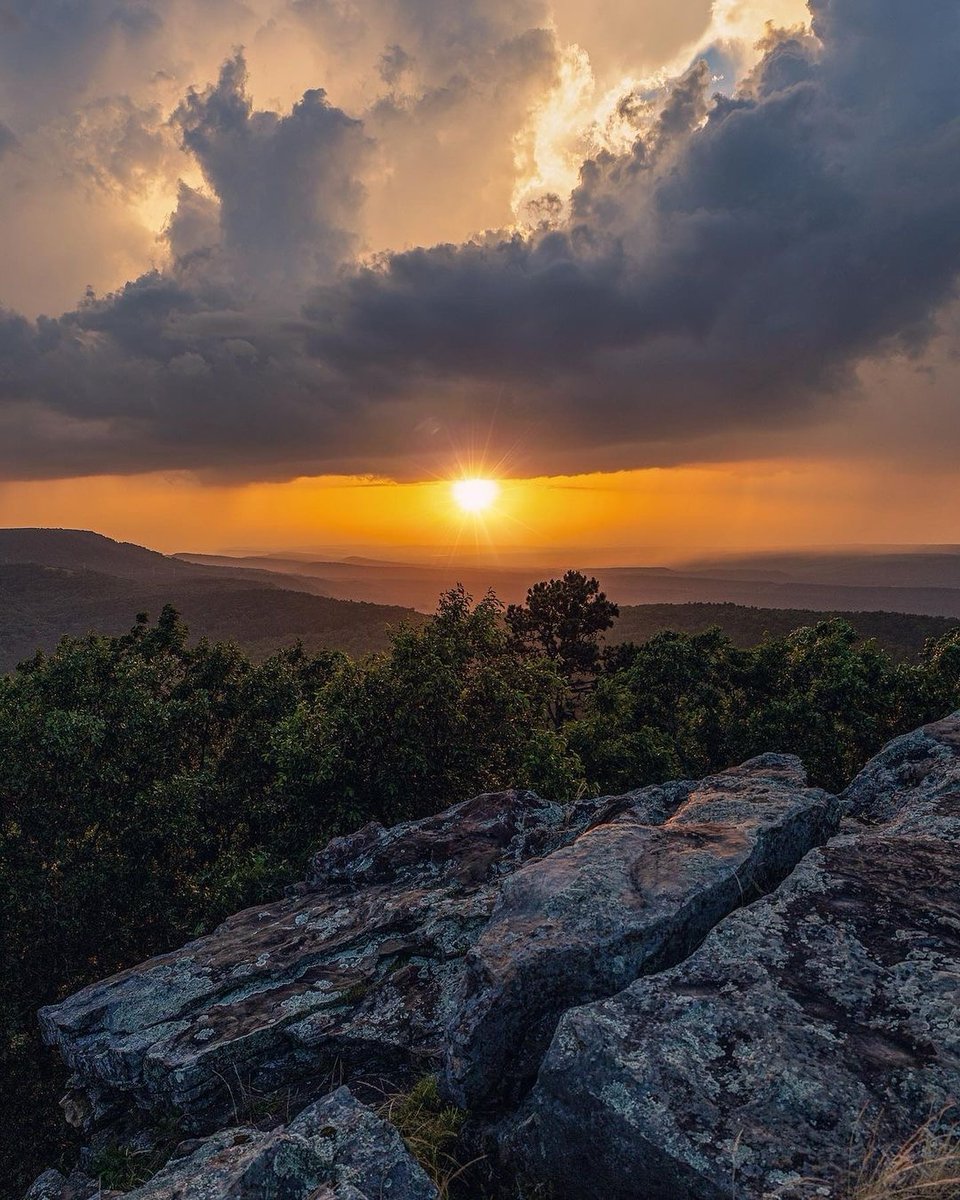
(337, 1149)
(354, 974)
(818, 1021)
(626, 898)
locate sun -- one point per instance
(475, 495)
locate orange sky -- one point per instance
(747, 505)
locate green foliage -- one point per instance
(563, 620)
(456, 709)
(139, 805)
(683, 704)
(148, 788)
(902, 635)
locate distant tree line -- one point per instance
(148, 788)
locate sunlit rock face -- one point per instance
(809, 1026)
(739, 980)
(454, 942)
(355, 974)
(625, 899)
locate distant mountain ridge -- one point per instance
(56, 582)
(817, 582)
(930, 567)
(82, 549)
(61, 582)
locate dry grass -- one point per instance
(431, 1131)
(925, 1167)
(251, 1106)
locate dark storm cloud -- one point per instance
(288, 187)
(726, 274)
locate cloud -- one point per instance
(90, 89)
(729, 272)
(289, 188)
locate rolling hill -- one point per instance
(924, 582)
(56, 581)
(75, 582)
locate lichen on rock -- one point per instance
(811, 1025)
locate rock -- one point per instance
(48, 1186)
(625, 899)
(365, 970)
(818, 1021)
(912, 782)
(337, 1149)
(51, 1185)
(354, 974)
(509, 944)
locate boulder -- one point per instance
(336, 1149)
(355, 973)
(912, 782)
(668, 994)
(815, 1024)
(454, 942)
(626, 898)
(52, 1185)
(386, 963)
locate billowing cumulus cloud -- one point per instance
(288, 187)
(723, 265)
(90, 87)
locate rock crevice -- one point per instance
(624, 899)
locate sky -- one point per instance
(273, 273)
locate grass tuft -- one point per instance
(925, 1167)
(120, 1168)
(431, 1130)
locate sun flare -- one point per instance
(475, 495)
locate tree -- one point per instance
(564, 620)
(453, 710)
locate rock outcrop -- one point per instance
(818, 1021)
(336, 1149)
(356, 974)
(687, 992)
(625, 899)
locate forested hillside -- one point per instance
(66, 581)
(72, 581)
(903, 635)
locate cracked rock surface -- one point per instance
(814, 1023)
(336, 1149)
(625, 899)
(355, 974)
